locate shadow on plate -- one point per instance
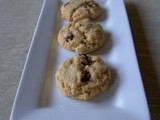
(102, 17)
(48, 81)
(106, 47)
(109, 94)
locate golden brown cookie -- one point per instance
(83, 77)
(76, 10)
(83, 36)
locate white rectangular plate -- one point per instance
(37, 96)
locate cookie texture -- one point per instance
(83, 77)
(76, 10)
(83, 37)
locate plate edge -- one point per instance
(132, 42)
(27, 58)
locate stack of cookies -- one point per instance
(83, 76)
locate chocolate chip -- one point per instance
(86, 6)
(85, 60)
(85, 76)
(69, 37)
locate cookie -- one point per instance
(83, 36)
(76, 10)
(83, 77)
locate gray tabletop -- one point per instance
(17, 22)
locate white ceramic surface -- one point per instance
(37, 96)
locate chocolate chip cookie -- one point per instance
(83, 37)
(76, 10)
(83, 77)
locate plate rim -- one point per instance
(33, 42)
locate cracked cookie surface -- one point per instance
(76, 10)
(83, 77)
(83, 36)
